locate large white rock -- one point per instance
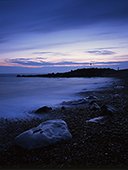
(47, 133)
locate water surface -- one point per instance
(18, 96)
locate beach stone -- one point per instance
(91, 98)
(119, 87)
(80, 101)
(47, 133)
(116, 96)
(75, 102)
(63, 108)
(94, 106)
(108, 110)
(44, 109)
(99, 119)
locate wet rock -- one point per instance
(91, 97)
(47, 133)
(108, 110)
(116, 96)
(63, 108)
(75, 102)
(43, 109)
(94, 106)
(99, 119)
(119, 87)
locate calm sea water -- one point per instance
(18, 96)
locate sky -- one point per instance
(59, 35)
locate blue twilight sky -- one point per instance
(59, 35)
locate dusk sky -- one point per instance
(60, 35)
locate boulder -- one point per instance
(43, 109)
(63, 108)
(47, 133)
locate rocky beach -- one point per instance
(64, 84)
(98, 123)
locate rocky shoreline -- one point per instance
(93, 144)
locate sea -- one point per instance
(19, 96)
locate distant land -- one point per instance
(85, 72)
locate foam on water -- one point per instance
(18, 96)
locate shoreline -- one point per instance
(19, 99)
(84, 72)
(92, 145)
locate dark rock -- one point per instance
(43, 109)
(94, 106)
(63, 108)
(91, 97)
(108, 110)
(91, 102)
(75, 102)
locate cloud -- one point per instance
(42, 52)
(46, 16)
(61, 68)
(113, 64)
(121, 57)
(50, 53)
(27, 61)
(101, 52)
(40, 58)
(40, 62)
(40, 46)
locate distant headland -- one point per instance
(85, 72)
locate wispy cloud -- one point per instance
(41, 46)
(48, 17)
(121, 57)
(39, 62)
(50, 53)
(101, 52)
(42, 52)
